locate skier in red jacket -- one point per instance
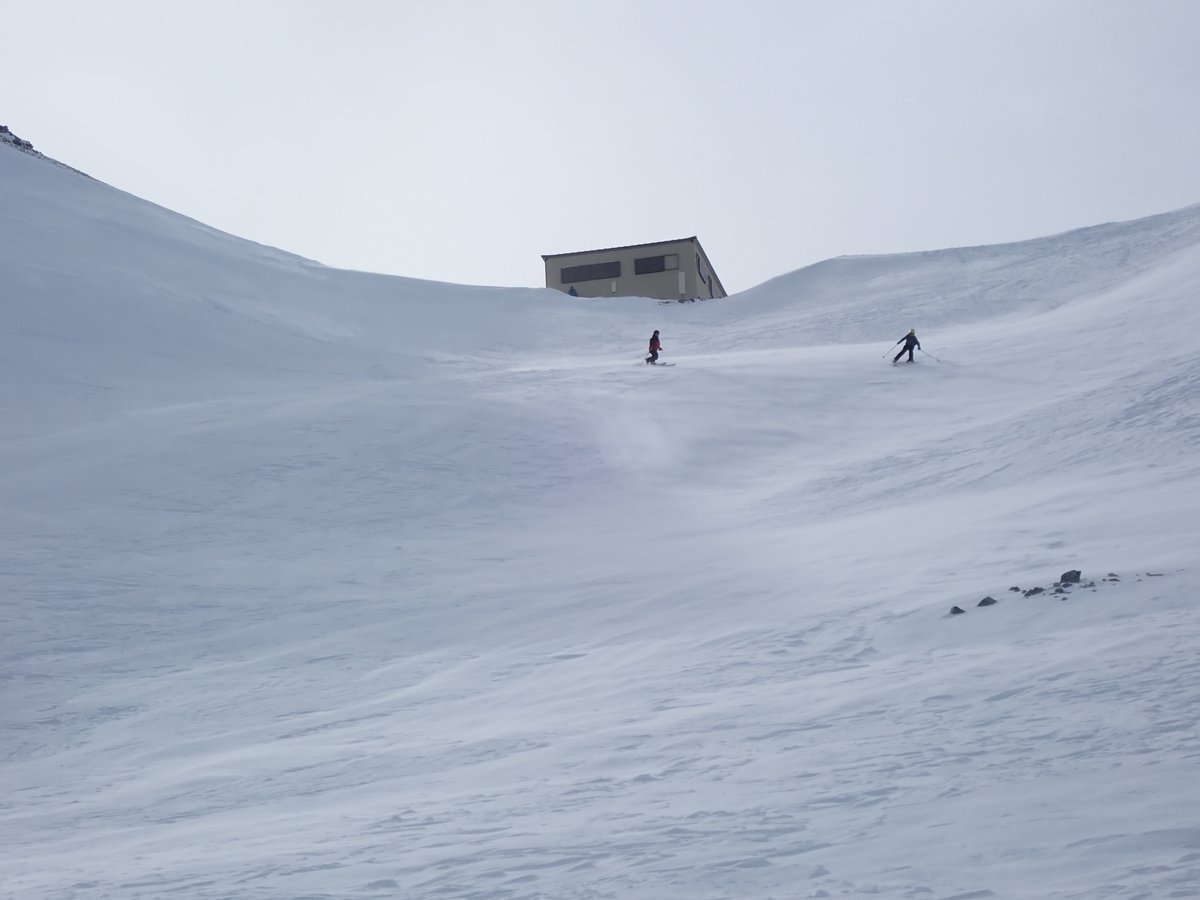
(655, 346)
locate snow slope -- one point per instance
(323, 584)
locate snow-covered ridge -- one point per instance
(843, 298)
(329, 584)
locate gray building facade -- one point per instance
(667, 270)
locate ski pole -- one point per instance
(930, 355)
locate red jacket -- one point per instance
(655, 345)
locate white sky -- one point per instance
(458, 140)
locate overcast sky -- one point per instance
(459, 140)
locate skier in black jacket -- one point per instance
(910, 341)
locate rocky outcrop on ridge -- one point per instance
(7, 137)
(11, 140)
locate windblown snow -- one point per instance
(325, 584)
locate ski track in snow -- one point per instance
(320, 584)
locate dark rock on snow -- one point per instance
(9, 138)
